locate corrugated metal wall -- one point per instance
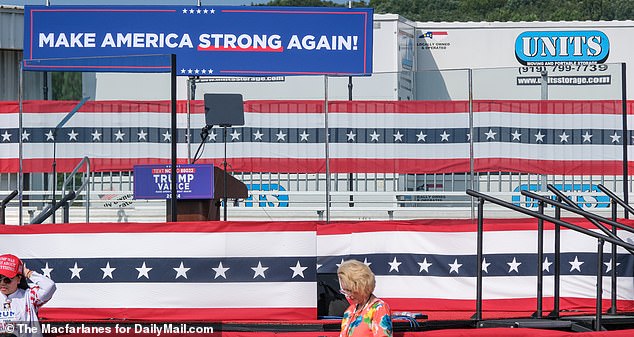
(11, 40)
(11, 27)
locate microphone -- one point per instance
(205, 132)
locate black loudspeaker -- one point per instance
(224, 109)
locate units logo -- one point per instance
(562, 47)
(433, 40)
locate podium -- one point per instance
(209, 209)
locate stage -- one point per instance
(579, 326)
(278, 278)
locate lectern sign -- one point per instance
(154, 181)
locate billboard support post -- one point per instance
(174, 138)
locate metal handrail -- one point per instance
(583, 213)
(3, 206)
(50, 209)
(85, 184)
(572, 204)
(614, 197)
(600, 237)
(614, 200)
(612, 233)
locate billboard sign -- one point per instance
(154, 181)
(207, 40)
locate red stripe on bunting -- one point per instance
(333, 228)
(317, 106)
(448, 225)
(164, 227)
(286, 165)
(563, 167)
(559, 107)
(341, 165)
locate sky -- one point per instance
(137, 2)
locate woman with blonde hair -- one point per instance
(367, 315)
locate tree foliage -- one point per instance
(488, 10)
(313, 3)
(66, 86)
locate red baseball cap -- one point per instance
(10, 265)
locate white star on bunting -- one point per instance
(75, 271)
(143, 271)
(563, 137)
(514, 265)
(220, 271)
(490, 134)
(485, 265)
(609, 265)
(576, 264)
(96, 135)
(398, 137)
(49, 135)
(539, 137)
(546, 265)
(142, 135)
(394, 265)
(304, 136)
(281, 136)
(298, 270)
(587, 137)
(72, 135)
(424, 265)
(119, 135)
(46, 271)
(107, 271)
(516, 135)
(455, 266)
(259, 270)
(181, 270)
(375, 136)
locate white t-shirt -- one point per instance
(21, 307)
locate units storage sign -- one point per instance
(562, 47)
(207, 40)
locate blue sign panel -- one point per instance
(207, 40)
(275, 200)
(154, 181)
(600, 200)
(562, 47)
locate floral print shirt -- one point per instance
(374, 319)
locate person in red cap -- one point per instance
(21, 302)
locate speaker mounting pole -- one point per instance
(224, 110)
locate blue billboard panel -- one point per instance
(207, 40)
(154, 181)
